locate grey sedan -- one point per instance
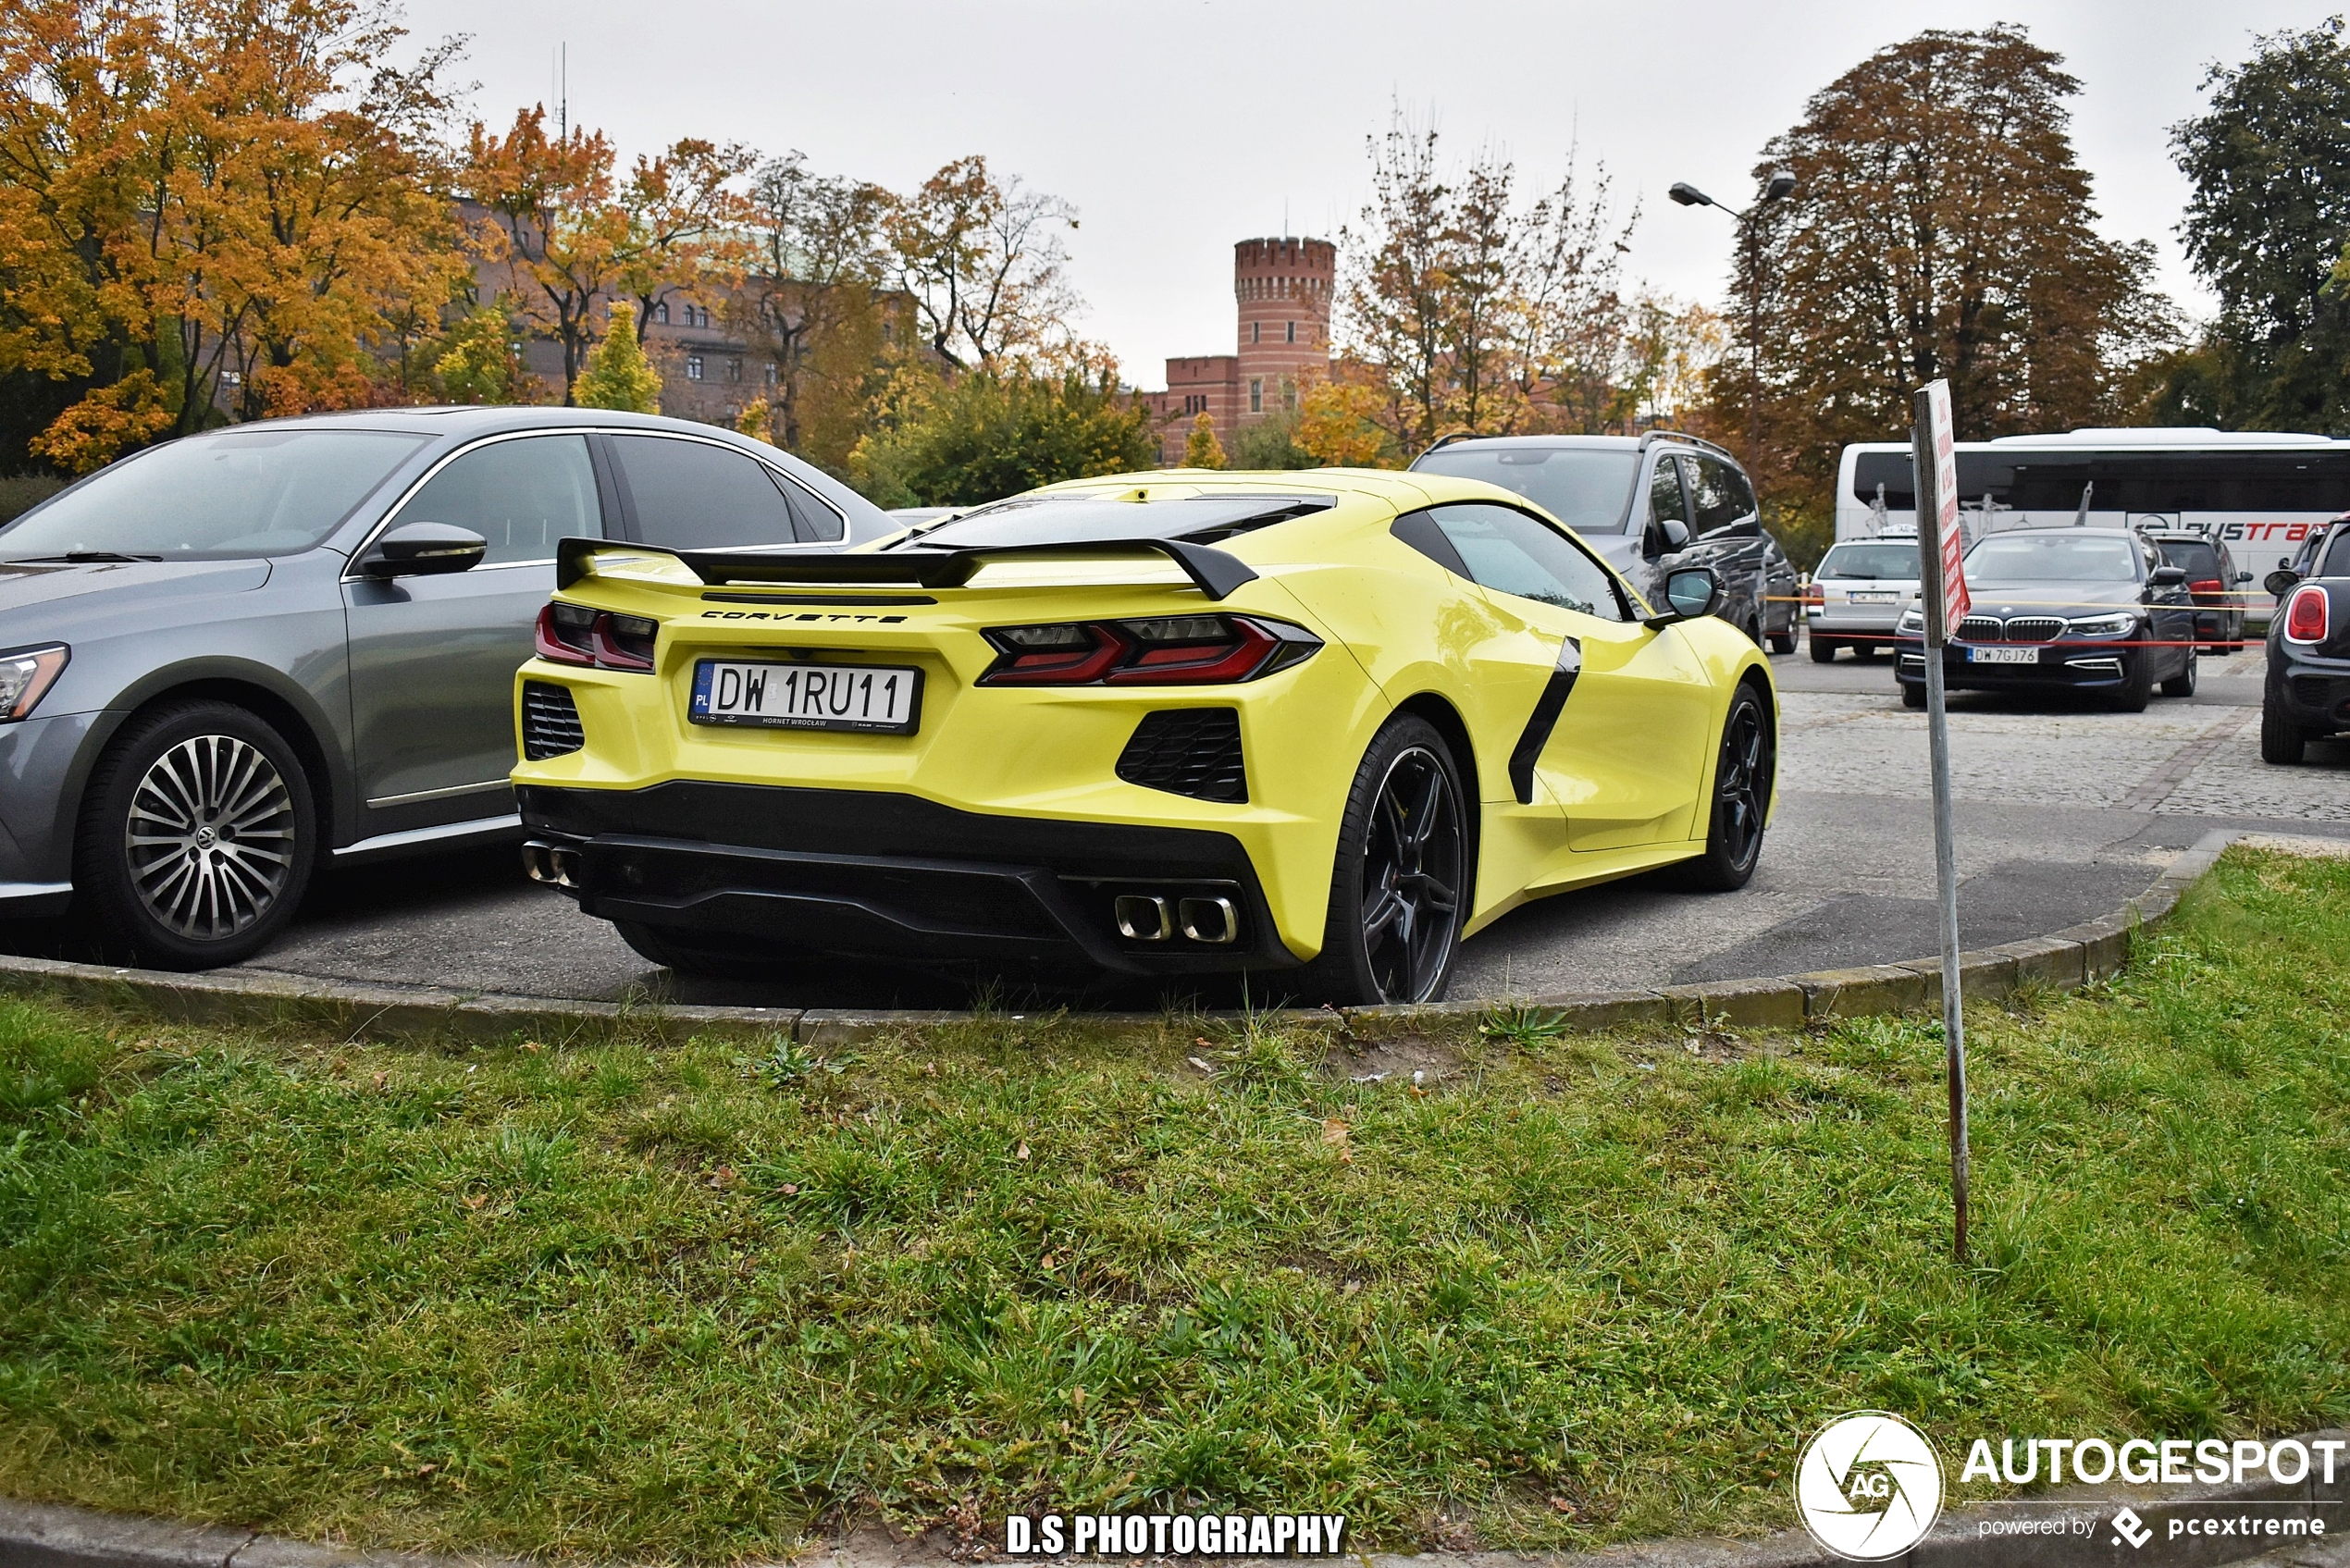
(234, 658)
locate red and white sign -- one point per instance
(1955, 602)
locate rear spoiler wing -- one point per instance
(1212, 571)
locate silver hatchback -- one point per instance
(234, 658)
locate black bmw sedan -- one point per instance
(2092, 610)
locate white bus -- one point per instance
(2259, 492)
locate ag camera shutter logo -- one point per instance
(1868, 1485)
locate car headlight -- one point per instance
(1912, 620)
(2102, 625)
(26, 676)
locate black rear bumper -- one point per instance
(871, 874)
(2309, 691)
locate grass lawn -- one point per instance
(687, 1304)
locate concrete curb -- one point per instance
(2063, 960)
(49, 1535)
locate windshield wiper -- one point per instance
(84, 557)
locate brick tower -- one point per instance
(1283, 287)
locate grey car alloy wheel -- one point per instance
(210, 837)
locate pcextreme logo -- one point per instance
(1869, 1486)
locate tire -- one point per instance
(1753, 630)
(1744, 772)
(1912, 696)
(1822, 649)
(2283, 743)
(703, 958)
(2181, 684)
(2137, 686)
(1783, 642)
(1399, 888)
(1864, 651)
(230, 837)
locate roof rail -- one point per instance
(1649, 437)
(1446, 441)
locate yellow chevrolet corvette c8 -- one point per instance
(1329, 722)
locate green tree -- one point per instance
(617, 373)
(984, 436)
(1270, 443)
(2266, 226)
(1939, 228)
(478, 362)
(1201, 448)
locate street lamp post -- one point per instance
(1781, 186)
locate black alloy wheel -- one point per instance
(1400, 889)
(197, 838)
(1744, 778)
(2181, 684)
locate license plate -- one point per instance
(1864, 595)
(877, 699)
(2003, 655)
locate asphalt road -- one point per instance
(2064, 811)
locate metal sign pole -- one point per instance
(1943, 588)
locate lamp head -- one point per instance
(1688, 195)
(1782, 186)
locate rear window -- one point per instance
(1589, 488)
(1871, 563)
(1051, 520)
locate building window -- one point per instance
(1255, 393)
(661, 312)
(734, 370)
(1293, 331)
(693, 366)
(771, 375)
(1256, 331)
(889, 332)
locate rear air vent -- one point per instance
(549, 721)
(1193, 751)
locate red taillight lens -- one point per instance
(1170, 651)
(2306, 617)
(2205, 585)
(573, 634)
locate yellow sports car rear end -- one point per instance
(1125, 725)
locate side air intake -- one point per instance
(549, 721)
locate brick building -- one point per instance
(1283, 288)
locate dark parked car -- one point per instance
(235, 656)
(2213, 580)
(2306, 696)
(2082, 608)
(1648, 505)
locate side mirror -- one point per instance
(1663, 537)
(1690, 592)
(2170, 577)
(2243, 577)
(2280, 580)
(425, 549)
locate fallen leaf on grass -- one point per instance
(475, 1200)
(1020, 1152)
(1334, 1136)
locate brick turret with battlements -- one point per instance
(1283, 288)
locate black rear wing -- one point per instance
(1212, 571)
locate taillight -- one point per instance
(2306, 617)
(2204, 585)
(1169, 650)
(573, 634)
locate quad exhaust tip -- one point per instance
(556, 865)
(1146, 917)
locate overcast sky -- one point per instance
(1180, 126)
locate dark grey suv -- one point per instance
(1648, 504)
(233, 658)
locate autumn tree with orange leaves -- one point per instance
(217, 201)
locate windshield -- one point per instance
(210, 497)
(2053, 558)
(1585, 488)
(1871, 563)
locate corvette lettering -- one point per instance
(806, 615)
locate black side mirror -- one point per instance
(2243, 577)
(1663, 537)
(425, 549)
(2170, 577)
(1690, 592)
(2280, 580)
